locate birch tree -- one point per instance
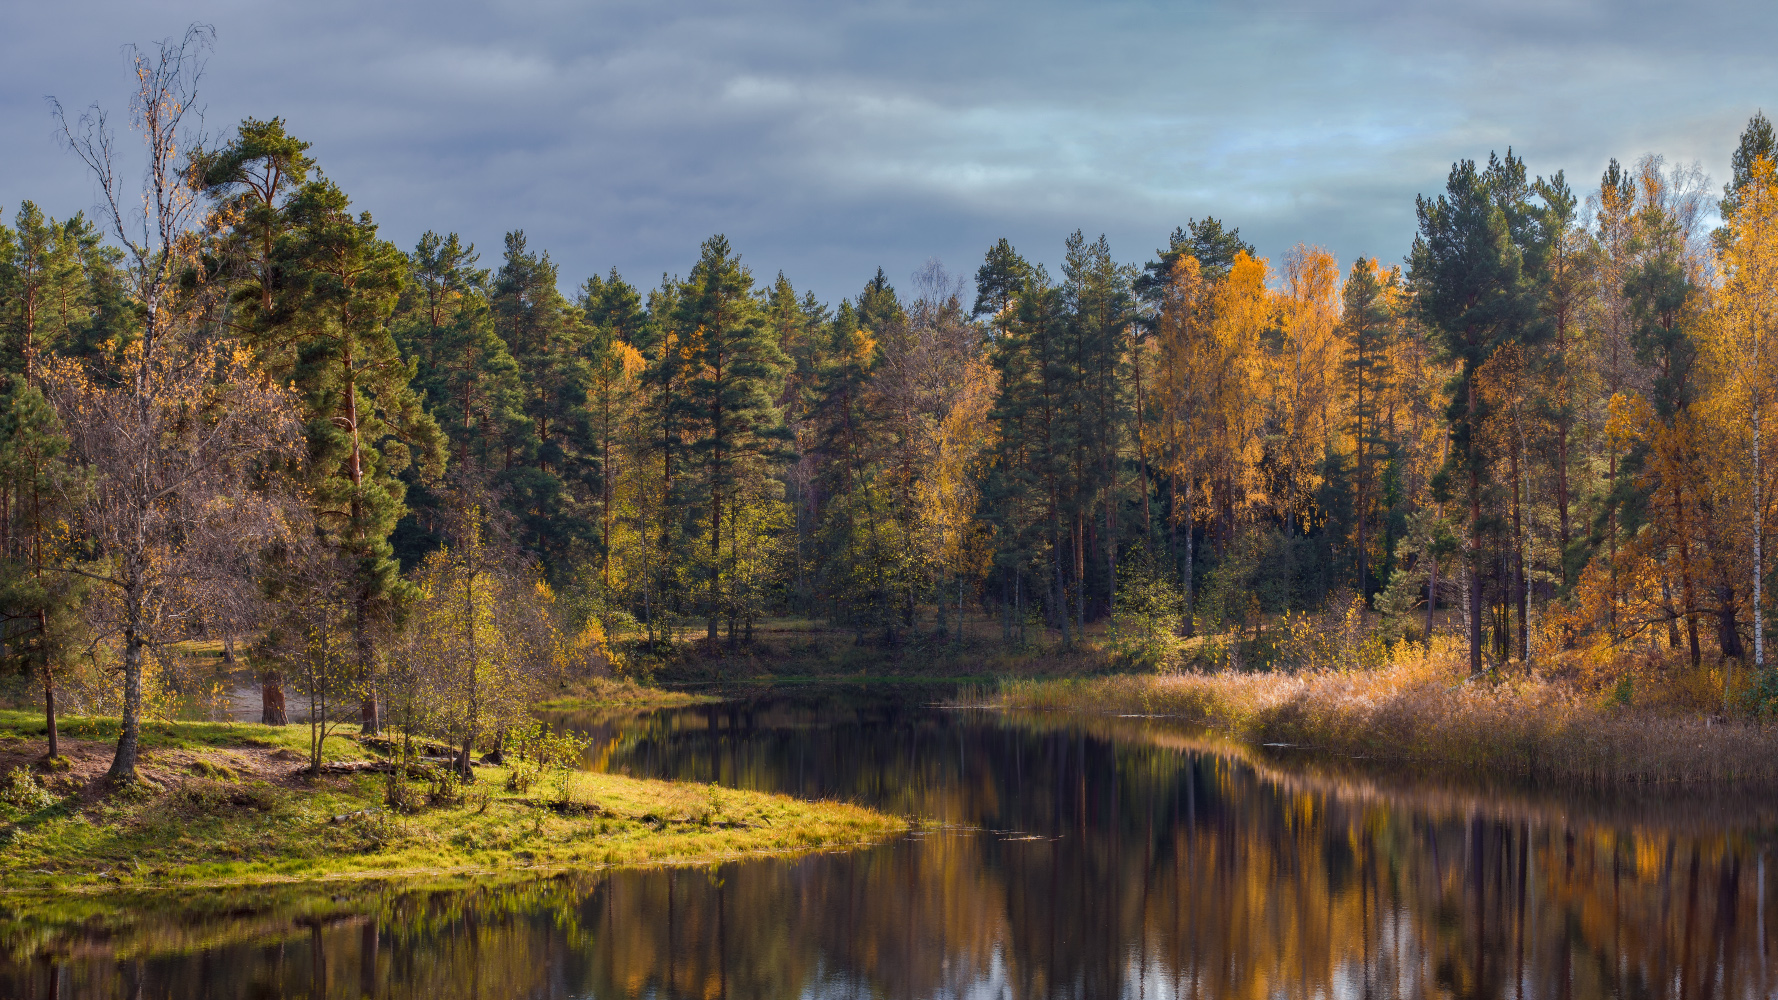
(176, 438)
(1746, 318)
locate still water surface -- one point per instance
(1103, 857)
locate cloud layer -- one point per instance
(827, 139)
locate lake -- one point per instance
(1072, 857)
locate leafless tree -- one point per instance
(180, 438)
(157, 236)
(184, 498)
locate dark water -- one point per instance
(1086, 858)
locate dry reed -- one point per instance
(1421, 710)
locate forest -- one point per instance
(412, 484)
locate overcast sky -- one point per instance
(826, 139)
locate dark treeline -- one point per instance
(1547, 419)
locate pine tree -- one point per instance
(613, 304)
(1205, 241)
(1466, 272)
(999, 281)
(446, 327)
(1562, 271)
(1369, 326)
(613, 366)
(1664, 464)
(858, 561)
(727, 406)
(252, 180)
(550, 477)
(1757, 140)
(39, 602)
(43, 272)
(1097, 293)
(364, 421)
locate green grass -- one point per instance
(221, 805)
(620, 694)
(800, 650)
(17, 724)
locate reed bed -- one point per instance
(1421, 710)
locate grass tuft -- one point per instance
(1422, 710)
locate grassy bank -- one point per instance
(606, 693)
(799, 650)
(1422, 711)
(228, 804)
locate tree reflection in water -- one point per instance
(1106, 858)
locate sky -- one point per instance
(827, 139)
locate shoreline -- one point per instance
(1416, 715)
(231, 805)
(412, 878)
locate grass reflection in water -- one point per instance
(1083, 858)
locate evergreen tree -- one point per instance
(727, 407)
(1661, 472)
(999, 281)
(856, 549)
(1369, 327)
(1466, 273)
(1206, 241)
(364, 421)
(613, 304)
(445, 326)
(43, 272)
(251, 180)
(39, 603)
(1036, 464)
(548, 474)
(1097, 294)
(1757, 140)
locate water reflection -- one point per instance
(1116, 858)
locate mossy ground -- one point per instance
(224, 804)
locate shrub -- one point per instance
(444, 788)
(21, 791)
(1147, 613)
(534, 751)
(209, 770)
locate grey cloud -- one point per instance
(826, 139)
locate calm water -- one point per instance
(1088, 858)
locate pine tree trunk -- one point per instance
(1688, 591)
(715, 565)
(1190, 625)
(1562, 525)
(1521, 585)
(49, 685)
(271, 700)
(1431, 592)
(1059, 591)
(1472, 611)
(1472, 596)
(370, 721)
(1110, 554)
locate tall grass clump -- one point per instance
(1421, 709)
